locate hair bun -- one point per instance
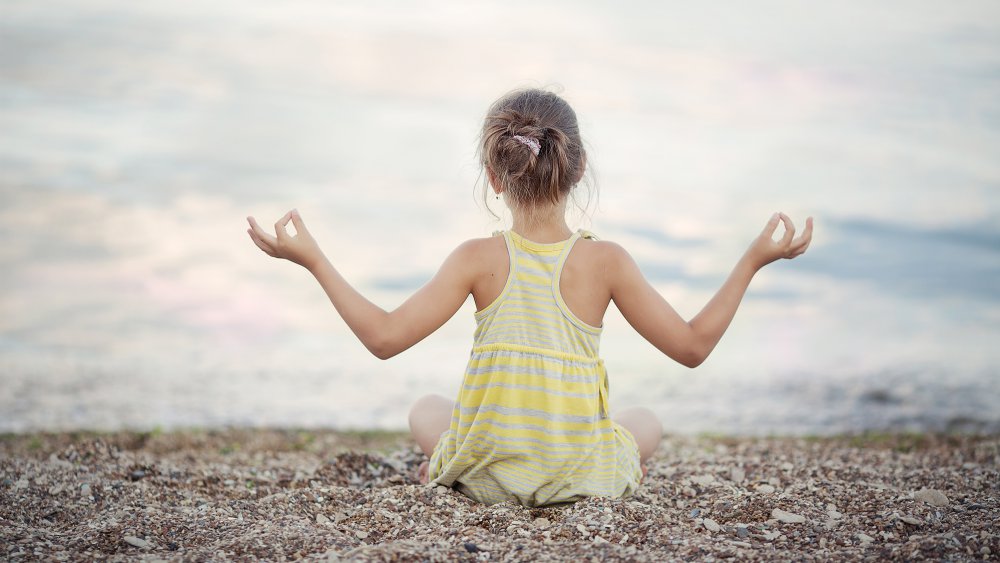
(545, 125)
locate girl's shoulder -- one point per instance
(600, 250)
(482, 250)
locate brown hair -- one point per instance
(529, 179)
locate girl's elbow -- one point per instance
(382, 348)
(692, 360)
(692, 357)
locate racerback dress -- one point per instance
(531, 421)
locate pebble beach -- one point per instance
(267, 494)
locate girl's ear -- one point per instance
(583, 166)
(493, 180)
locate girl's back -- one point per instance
(583, 283)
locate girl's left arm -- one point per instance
(383, 333)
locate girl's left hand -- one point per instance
(301, 248)
(765, 249)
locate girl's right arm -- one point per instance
(385, 334)
(690, 342)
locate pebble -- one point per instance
(471, 547)
(742, 532)
(737, 475)
(441, 489)
(822, 543)
(931, 496)
(865, 538)
(702, 479)
(787, 517)
(136, 542)
(322, 519)
(694, 513)
(740, 544)
(765, 489)
(85, 490)
(361, 534)
(542, 522)
(21, 484)
(985, 550)
(711, 525)
(911, 520)
(137, 474)
(787, 466)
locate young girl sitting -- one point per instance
(531, 420)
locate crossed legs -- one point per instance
(430, 417)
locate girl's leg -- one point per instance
(430, 416)
(645, 428)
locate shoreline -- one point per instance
(270, 494)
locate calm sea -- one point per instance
(135, 138)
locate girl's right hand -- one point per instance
(765, 249)
(301, 248)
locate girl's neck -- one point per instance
(542, 224)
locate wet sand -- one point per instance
(320, 495)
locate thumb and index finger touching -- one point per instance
(295, 219)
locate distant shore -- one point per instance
(271, 494)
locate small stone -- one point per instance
(582, 529)
(136, 542)
(911, 520)
(985, 550)
(787, 517)
(737, 475)
(21, 484)
(702, 480)
(931, 496)
(865, 538)
(765, 489)
(711, 525)
(471, 547)
(694, 513)
(85, 490)
(740, 544)
(137, 474)
(361, 534)
(542, 523)
(441, 489)
(742, 532)
(599, 540)
(835, 515)
(822, 543)
(787, 466)
(322, 519)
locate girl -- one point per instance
(531, 421)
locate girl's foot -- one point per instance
(422, 473)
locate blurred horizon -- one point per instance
(137, 138)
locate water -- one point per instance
(136, 138)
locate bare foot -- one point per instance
(422, 473)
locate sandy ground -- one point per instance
(319, 495)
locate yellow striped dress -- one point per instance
(531, 420)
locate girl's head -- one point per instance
(531, 148)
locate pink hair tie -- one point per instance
(532, 144)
